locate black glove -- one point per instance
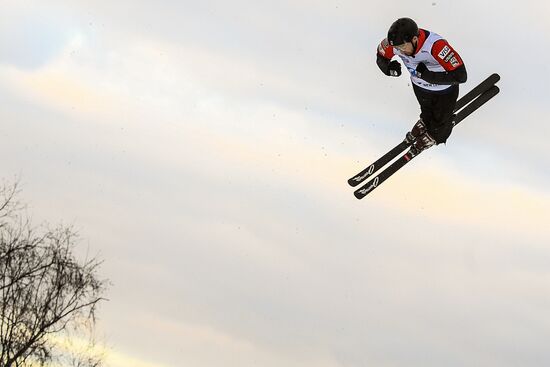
(394, 68)
(421, 68)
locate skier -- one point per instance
(436, 71)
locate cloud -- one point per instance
(204, 147)
(31, 36)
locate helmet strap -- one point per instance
(415, 45)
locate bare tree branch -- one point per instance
(45, 290)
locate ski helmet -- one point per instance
(401, 31)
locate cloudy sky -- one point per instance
(202, 149)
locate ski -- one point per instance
(399, 148)
(381, 162)
(410, 154)
(475, 104)
(384, 175)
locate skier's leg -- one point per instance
(426, 101)
(419, 136)
(442, 123)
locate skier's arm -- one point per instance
(450, 60)
(388, 67)
(384, 62)
(457, 76)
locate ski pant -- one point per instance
(437, 111)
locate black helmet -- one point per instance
(401, 31)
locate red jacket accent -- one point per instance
(446, 55)
(385, 50)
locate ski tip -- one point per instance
(358, 195)
(495, 77)
(352, 182)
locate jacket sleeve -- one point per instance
(450, 60)
(384, 55)
(383, 64)
(457, 76)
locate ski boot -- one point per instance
(421, 143)
(418, 138)
(417, 130)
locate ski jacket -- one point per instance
(444, 65)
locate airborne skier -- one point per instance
(436, 71)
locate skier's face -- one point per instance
(408, 47)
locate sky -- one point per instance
(202, 150)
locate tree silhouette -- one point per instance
(46, 293)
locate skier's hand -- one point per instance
(394, 68)
(421, 68)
